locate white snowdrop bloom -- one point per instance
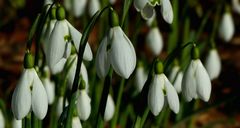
(121, 54)
(226, 28)
(60, 44)
(94, 6)
(176, 76)
(46, 2)
(112, 1)
(155, 41)
(167, 11)
(83, 105)
(2, 120)
(213, 64)
(110, 108)
(196, 82)
(236, 6)
(29, 94)
(76, 122)
(145, 7)
(140, 78)
(60, 104)
(50, 89)
(16, 123)
(72, 71)
(76, 7)
(159, 87)
(47, 34)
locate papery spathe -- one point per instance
(83, 105)
(196, 82)
(213, 64)
(29, 95)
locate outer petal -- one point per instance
(139, 4)
(39, 97)
(155, 41)
(83, 105)
(57, 46)
(76, 123)
(60, 106)
(16, 123)
(21, 99)
(94, 6)
(147, 12)
(203, 82)
(226, 30)
(76, 37)
(2, 121)
(112, 1)
(50, 89)
(155, 95)
(213, 64)
(167, 11)
(172, 96)
(178, 82)
(79, 7)
(140, 78)
(102, 62)
(110, 108)
(173, 73)
(189, 82)
(122, 53)
(47, 35)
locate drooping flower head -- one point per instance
(116, 50)
(160, 88)
(94, 6)
(30, 93)
(196, 82)
(76, 7)
(110, 108)
(140, 77)
(176, 76)
(236, 6)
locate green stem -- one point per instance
(137, 123)
(195, 107)
(166, 117)
(27, 120)
(144, 117)
(119, 98)
(126, 6)
(34, 120)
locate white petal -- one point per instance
(39, 98)
(203, 82)
(94, 6)
(67, 51)
(155, 95)
(76, 37)
(122, 53)
(83, 105)
(57, 46)
(2, 120)
(110, 108)
(172, 96)
(167, 11)
(17, 123)
(140, 78)
(21, 99)
(67, 4)
(112, 1)
(46, 2)
(147, 12)
(226, 30)
(173, 73)
(47, 34)
(236, 6)
(78, 7)
(102, 62)
(155, 41)
(189, 82)
(76, 122)
(178, 82)
(50, 89)
(213, 64)
(139, 4)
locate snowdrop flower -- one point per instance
(226, 30)
(72, 71)
(176, 76)
(2, 121)
(196, 82)
(112, 1)
(16, 123)
(49, 86)
(146, 7)
(76, 7)
(213, 64)
(94, 6)
(60, 43)
(155, 41)
(83, 105)
(160, 87)
(140, 77)
(116, 50)
(30, 93)
(110, 108)
(76, 122)
(236, 6)
(46, 2)
(60, 105)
